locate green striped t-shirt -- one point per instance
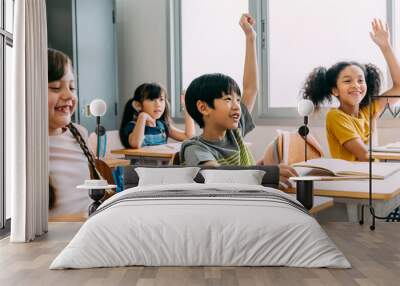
(231, 150)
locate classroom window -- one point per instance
(210, 40)
(9, 15)
(291, 42)
(311, 34)
(6, 44)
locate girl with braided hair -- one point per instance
(354, 85)
(68, 153)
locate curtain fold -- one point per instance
(28, 128)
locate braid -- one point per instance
(92, 164)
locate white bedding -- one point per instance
(183, 231)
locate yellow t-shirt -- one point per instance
(341, 127)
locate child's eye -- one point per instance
(361, 81)
(227, 99)
(53, 88)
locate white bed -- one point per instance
(225, 225)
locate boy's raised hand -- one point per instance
(247, 22)
(380, 33)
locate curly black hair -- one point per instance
(321, 81)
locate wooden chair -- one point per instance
(288, 148)
(176, 160)
(106, 172)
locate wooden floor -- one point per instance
(375, 257)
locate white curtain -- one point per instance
(27, 124)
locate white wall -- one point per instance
(142, 45)
(142, 56)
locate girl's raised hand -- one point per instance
(247, 22)
(380, 33)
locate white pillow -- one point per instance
(164, 176)
(249, 177)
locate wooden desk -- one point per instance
(161, 154)
(385, 194)
(112, 163)
(81, 217)
(321, 203)
(386, 156)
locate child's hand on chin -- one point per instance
(149, 121)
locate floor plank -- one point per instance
(374, 255)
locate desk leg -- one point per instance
(96, 195)
(361, 221)
(353, 212)
(304, 193)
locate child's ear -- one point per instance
(136, 105)
(202, 107)
(335, 92)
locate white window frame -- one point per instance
(265, 114)
(174, 18)
(288, 114)
(6, 39)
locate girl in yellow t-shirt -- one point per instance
(354, 84)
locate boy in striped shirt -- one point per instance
(215, 102)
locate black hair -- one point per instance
(319, 84)
(145, 91)
(207, 88)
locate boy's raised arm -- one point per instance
(250, 74)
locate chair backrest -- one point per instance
(289, 148)
(113, 142)
(104, 170)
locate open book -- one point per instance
(342, 168)
(173, 146)
(390, 148)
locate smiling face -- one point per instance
(61, 101)
(154, 107)
(351, 87)
(226, 112)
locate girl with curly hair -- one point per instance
(354, 85)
